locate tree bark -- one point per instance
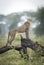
(4, 49)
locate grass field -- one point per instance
(12, 57)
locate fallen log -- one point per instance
(24, 44)
(33, 45)
(7, 48)
(4, 49)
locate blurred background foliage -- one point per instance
(12, 20)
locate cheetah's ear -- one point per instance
(29, 19)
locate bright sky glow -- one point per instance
(10, 6)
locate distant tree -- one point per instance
(39, 30)
(2, 17)
(15, 20)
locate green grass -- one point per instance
(13, 57)
(39, 39)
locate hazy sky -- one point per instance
(10, 6)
